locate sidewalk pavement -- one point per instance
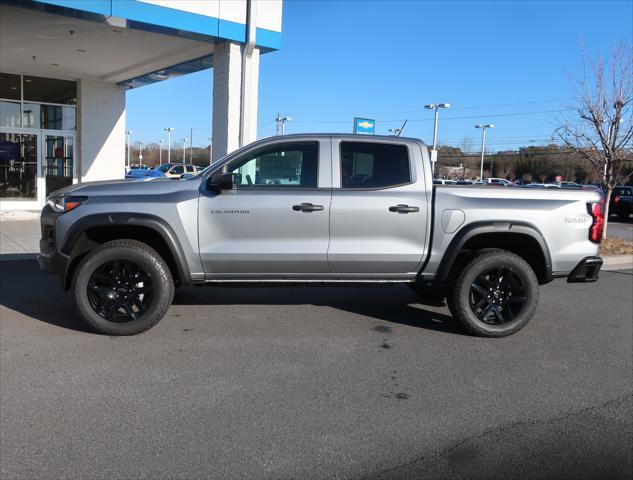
(20, 236)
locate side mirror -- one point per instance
(220, 181)
(185, 176)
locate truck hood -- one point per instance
(129, 187)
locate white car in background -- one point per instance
(177, 170)
(499, 181)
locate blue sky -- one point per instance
(504, 62)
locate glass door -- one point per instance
(19, 162)
(57, 161)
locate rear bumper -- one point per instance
(586, 271)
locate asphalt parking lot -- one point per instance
(621, 229)
(315, 383)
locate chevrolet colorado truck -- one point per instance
(318, 209)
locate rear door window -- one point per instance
(374, 165)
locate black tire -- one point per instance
(123, 287)
(495, 294)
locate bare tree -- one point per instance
(602, 132)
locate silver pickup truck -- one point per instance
(325, 209)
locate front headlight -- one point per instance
(63, 204)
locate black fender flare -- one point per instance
(145, 220)
(487, 227)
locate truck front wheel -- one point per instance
(495, 294)
(123, 287)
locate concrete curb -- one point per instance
(617, 262)
(16, 215)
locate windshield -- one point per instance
(164, 167)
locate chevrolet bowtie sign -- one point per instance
(364, 126)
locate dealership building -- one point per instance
(65, 66)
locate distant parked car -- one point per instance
(564, 184)
(464, 182)
(443, 181)
(143, 174)
(533, 185)
(502, 182)
(176, 170)
(621, 203)
(138, 166)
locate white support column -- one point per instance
(101, 131)
(227, 98)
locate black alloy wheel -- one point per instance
(120, 291)
(497, 296)
(494, 294)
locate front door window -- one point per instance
(18, 166)
(293, 165)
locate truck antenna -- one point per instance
(402, 127)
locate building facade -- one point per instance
(65, 66)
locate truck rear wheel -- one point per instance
(495, 294)
(123, 287)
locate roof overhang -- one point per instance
(130, 42)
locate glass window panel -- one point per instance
(9, 114)
(50, 90)
(18, 166)
(291, 165)
(58, 162)
(10, 86)
(374, 165)
(54, 117)
(31, 115)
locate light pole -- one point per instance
(436, 107)
(483, 146)
(160, 151)
(128, 133)
(184, 149)
(281, 123)
(140, 152)
(169, 130)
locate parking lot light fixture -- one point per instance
(169, 130)
(435, 107)
(281, 123)
(483, 146)
(129, 134)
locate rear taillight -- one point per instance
(596, 210)
(616, 200)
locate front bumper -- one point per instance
(586, 271)
(50, 259)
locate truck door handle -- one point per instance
(307, 207)
(403, 209)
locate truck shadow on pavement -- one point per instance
(28, 291)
